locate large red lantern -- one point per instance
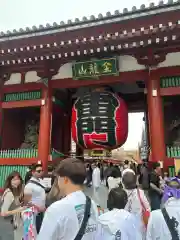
(100, 120)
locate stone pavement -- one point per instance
(101, 196)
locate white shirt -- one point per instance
(38, 193)
(157, 227)
(118, 224)
(63, 219)
(96, 178)
(113, 182)
(134, 206)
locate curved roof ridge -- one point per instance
(92, 21)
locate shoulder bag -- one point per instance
(145, 212)
(12, 206)
(47, 190)
(37, 183)
(170, 224)
(87, 211)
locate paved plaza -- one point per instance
(100, 197)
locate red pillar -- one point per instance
(1, 122)
(67, 134)
(1, 112)
(156, 118)
(44, 142)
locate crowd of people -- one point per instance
(142, 204)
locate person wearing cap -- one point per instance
(63, 219)
(164, 224)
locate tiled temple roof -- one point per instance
(93, 21)
(32, 45)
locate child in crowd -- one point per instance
(28, 216)
(118, 223)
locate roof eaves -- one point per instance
(93, 21)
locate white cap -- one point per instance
(128, 170)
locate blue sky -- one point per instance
(17, 14)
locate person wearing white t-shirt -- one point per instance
(118, 223)
(96, 182)
(96, 177)
(63, 218)
(35, 186)
(114, 180)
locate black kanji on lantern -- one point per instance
(96, 113)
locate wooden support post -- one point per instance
(1, 110)
(79, 152)
(44, 142)
(67, 135)
(156, 118)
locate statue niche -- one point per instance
(31, 135)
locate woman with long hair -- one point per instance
(10, 200)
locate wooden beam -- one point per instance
(169, 71)
(125, 77)
(170, 91)
(22, 104)
(18, 161)
(22, 87)
(132, 76)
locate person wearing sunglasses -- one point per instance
(35, 186)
